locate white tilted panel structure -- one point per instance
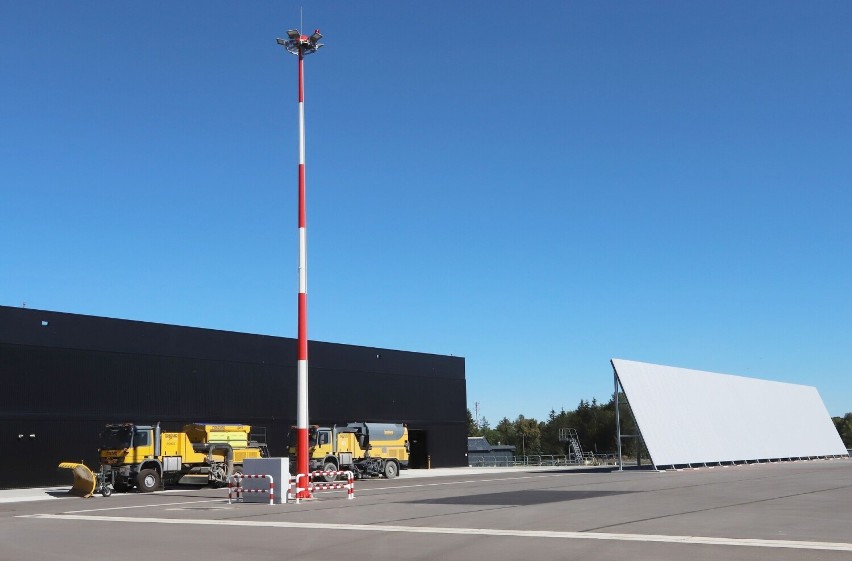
(695, 417)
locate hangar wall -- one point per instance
(66, 375)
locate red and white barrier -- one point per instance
(294, 492)
(235, 488)
(331, 486)
(349, 485)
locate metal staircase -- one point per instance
(575, 450)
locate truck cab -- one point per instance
(129, 455)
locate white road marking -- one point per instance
(128, 507)
(28, 499)
(690, 540)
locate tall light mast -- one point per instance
(302, 45)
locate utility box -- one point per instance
(278, 468)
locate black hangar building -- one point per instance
(66, 375)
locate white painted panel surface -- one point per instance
(692, 417)
(278, 468)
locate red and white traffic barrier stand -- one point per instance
(294, 492)
(236, 490)
(334, 485)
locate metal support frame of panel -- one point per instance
(618, 435)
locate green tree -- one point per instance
(505, 430)
(595, 426)
(844, 428)
(491, 435)
(550, 443)
(529, 432)
(593, 421)
(472, 429)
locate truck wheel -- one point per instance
(218, 476)
(148, 480)
(329, 466)
(391, 469)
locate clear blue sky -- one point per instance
(538, 187)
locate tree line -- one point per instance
(595, 426)
(593, 421)
(844, 428)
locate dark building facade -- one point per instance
(64, 376)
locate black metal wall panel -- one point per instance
(67, 375)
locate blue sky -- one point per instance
(538, 187)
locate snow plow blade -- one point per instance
(84, 480)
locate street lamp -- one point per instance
(302, 45)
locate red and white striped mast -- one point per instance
(302, 45)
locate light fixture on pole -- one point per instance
(302, 45)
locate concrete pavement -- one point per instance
(50, 493)
(782, 511)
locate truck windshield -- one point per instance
(116, 438)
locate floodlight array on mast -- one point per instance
(305, 44)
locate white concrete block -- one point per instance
(278, 468)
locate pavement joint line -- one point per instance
(365, 489)
(687, 540)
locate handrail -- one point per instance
(542, 460)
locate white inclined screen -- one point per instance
(693, 417)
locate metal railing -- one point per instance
(541, 460)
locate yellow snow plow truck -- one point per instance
(366, 449)
(144, 457)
